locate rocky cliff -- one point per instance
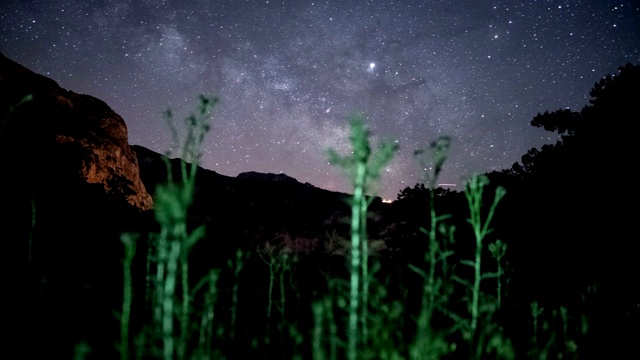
(59, 132)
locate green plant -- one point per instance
(279, 260)
(236, 265)
(555, 332)
(428, 344)
(481, 228)
(325, 322)
(169, 249)
(207, 328)
(129, 240)
(362, 167)
(373, 314)
(474, 193)
(172, 202)
(498, 249)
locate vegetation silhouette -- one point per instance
(574, 199)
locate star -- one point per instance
(371, 67)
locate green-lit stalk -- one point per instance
(168, 300)
(474, 193)
(356, 219)
(499, 286)
(148, 278)
(361, 168)
(423, 346)
(480, 229)
(423, 333)
(173, 244)
(498, 250)
(187, 241)
(206, 325)
(283, 268)
(324, 325)
(565, 335)
(81, 350)
(476, 286)
(333, 328)
(168, 250)
(318, 330)
(433, 250)
(237, 267)
(272, 269)
(274, 264)
(424, 338)
(365, 270)
(129, 241)
(186, 305)
(536, 311)
(162, 253)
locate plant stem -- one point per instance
(480, 229)
(272, 262)
(365, 270)
(234, 301)
(333, 331)
(206, 325)
(161, 245)
(356, 233)
(167, 304)
(186, 303)
(129, 241)
(318, 330)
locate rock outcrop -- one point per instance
(59, 132)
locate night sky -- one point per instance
(289, 73)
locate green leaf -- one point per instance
(197, 234)
(490, 275)
(468, 263)
(417, 270)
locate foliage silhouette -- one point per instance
(562, 193)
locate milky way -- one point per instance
(289, 74)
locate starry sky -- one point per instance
(289, 73)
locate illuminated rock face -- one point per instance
(65, 132)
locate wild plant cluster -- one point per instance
(534, 262)
(270, 303)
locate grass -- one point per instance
(449, 304)
(357, 317)
(363, 167)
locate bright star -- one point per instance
(371, 67)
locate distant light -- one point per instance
(372, 65)
(387, 201)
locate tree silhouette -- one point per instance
(569, 209)
(597, 137)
